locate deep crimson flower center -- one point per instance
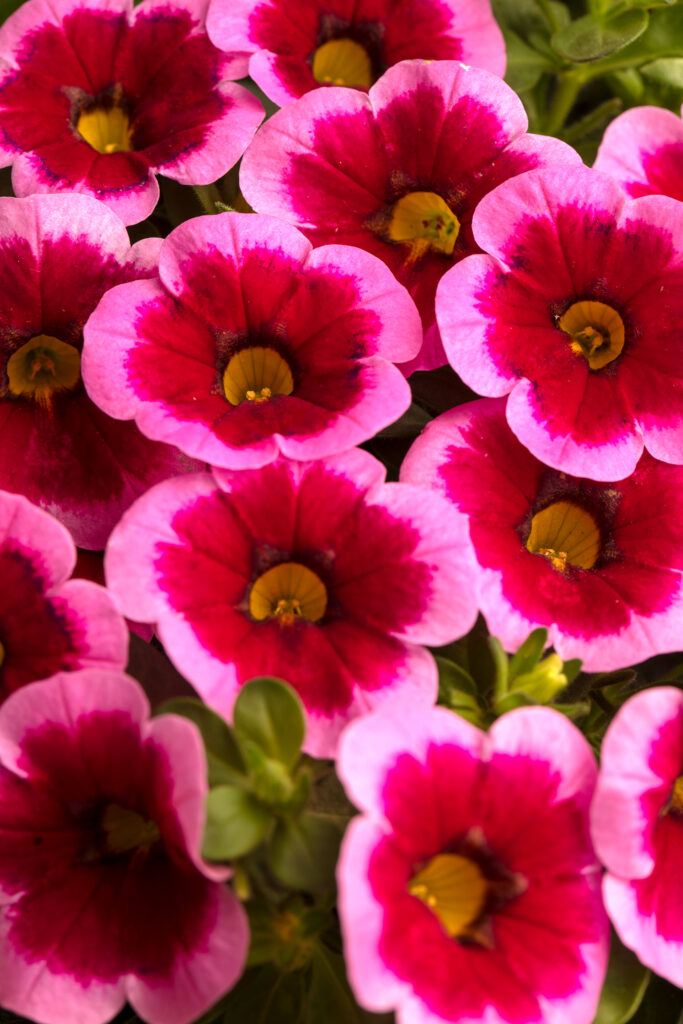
(125, 830)
(423, 221)
(343, 62)
(256, 374)
(288, 591)
(596, 330)
(42, 366)
(106, 128)
(565, 533)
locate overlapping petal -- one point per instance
(642, 149)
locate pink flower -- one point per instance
(342, 43)
(104, 894)
(468, 887)
(49, 622)
(637, 826)
(318, 572)
(251, 344)
(60, 254)
(642, 149)
(577, 314)
(98, 97)
(598, 564)
(398, 172)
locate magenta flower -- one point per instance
(343, 43)
(96, 97)
(577, 313)
(398, 172)
(642, 149)
(318, 572)
(598, 564)
(252, 344)
(104, 896)
(60, 254)
(49, 622)
(637, 826)
(468, 887)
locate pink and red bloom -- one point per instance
(251, 344)
(398, 172)
(576, 313)
(637, 826)
(597, 564)
(48, 622)
(104, 896)
(59, 255)
(98, 97)
(317, 572)
(642, 149)
(468, 887)
(340, 42)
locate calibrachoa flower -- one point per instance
(339, 42)
(104, 896)
(637, 826)
(251, 344)
(49, 622)
(318, 572)
(577, 313)
(468, 887)
(398, 172)
(59, 255)
(97, 97)
(642, 149)
(597, 564)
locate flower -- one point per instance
(597, 564)
(397, 172)
(251, 344)
(97, 97)
(59, 255)
(642, 149)
(316, 572)
(468, 886)
(637, 826)
(577, 313)
(351, 44)
(49, 622)
(104, 893)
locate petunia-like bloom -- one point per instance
(251, 344)
(49, 622)
(598, 564)
(468, 887)
(104, 896)
(340, 42)
(577, 313)
(59, 255)
(642, 149)
(397, 172)
(317, 572)
(637, 826)
(98, 97)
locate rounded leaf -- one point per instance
(269, 713)
(235, 823)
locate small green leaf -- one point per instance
(269, 713)
(524, 64)
(590, 38)
(526, 658)
(223, 755)
(501, 667)
(624, 986)
(329, 997)
(458, 691)
(235, 823)
(303, 853)
(265, 995)
(666, 71)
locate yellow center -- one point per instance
(342, 62)
(454, 888)
(255, 375)
(423, 221)
(288, 591)
(106, 129)
(42, 366)
(676, 801)
(596, 330)
(126, 830)
(566, 534)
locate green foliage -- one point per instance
(303, 852)
(624, 986)
(235, 823)
(226, 764)
(590, 38)
(269, 714)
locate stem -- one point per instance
(208, 195)
(568, 85)
(549, 15)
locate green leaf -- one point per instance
(235, 823)
(666, 71)
(269, 713)
(265, 995)
(590, 38)
(329, 997)
(458, 690)
(524, 64)
(526, 658)
(303, 854)
(225, 761)
(624, 986)
(501, 666)
(663, 38)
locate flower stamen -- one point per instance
(423, 221)
(596, 330)
(106, 129)
(256, 375)
(43, 366)
(454, 888)
(288, 592)
(565, 534)
(342, 62)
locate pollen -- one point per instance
(106, 129)
(256, 375)
(454, 888)
(42, 367)
(676, 800)
(423, 221)
(288, 592)
(596, 331)
(342, 62)
(565, 534)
